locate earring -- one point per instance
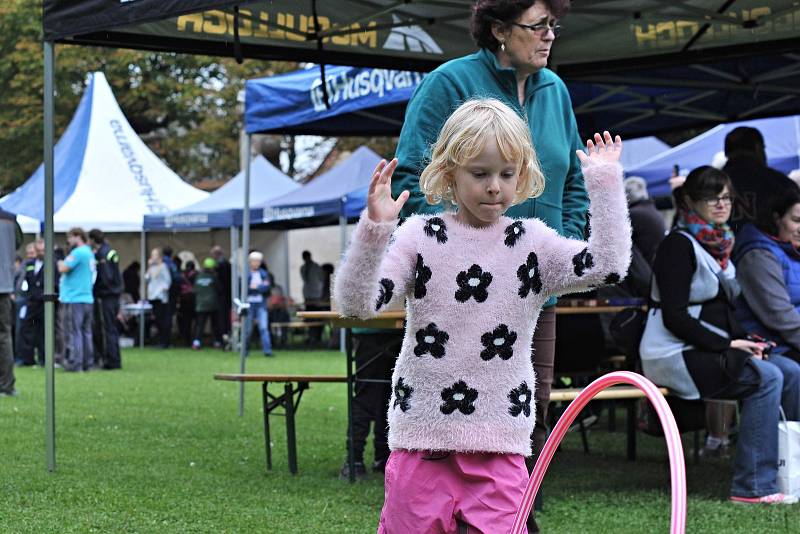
(503, 46)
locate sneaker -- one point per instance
(361, 471)
(587, 420)
(268, 355)
(722, 452)
(775, 498)
(12, 393)
(196, 344)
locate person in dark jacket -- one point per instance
(753, 181)
(31, 342)
(224, 278)
(648, 225)
(132, 280)
(107, 288)
(206, 294)
(768, 269)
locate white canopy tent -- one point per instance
(106, 176)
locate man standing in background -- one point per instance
(107, 289)
(10, 240)
(313, 278)
(223, 271)
(77, 280)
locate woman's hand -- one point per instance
(756, 349)
(380, 205)
(603, 149)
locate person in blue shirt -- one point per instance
(78, 272)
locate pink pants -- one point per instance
(427, 496)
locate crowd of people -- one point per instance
(724, 319)
(190, 305)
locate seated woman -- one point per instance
(768, 269)
(694, 345)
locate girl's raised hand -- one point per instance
(381, 207)
(603, 149)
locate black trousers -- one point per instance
(105, 332)
(163, 321)
(200, 327)
(31, 342)
(375, 357)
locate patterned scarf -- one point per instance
(717, 239)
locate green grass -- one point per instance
(159, 447)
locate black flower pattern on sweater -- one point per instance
(612, 279)
(582, 261)
(473, 283)
(520, 398)
(431, 340)
(385, 293)
(529, 276)
(402, 395)
(459, 397)
(498, 342)
(513, 232)
(435, 227)
(422, 275)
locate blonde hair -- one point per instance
(464, 136)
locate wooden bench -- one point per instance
(292, 326)
(293, 387)
(627, 393)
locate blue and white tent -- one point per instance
(364, 102)
(781, 137)
(105, 175)
(341, 191)
(223, 207)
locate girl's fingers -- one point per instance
(388, 170)
(589, 146)
(598, 140)
(607, 137)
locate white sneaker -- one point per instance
(775, 498)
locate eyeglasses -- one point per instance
(541, 28)
(715, 201)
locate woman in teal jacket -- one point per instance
(515, 38)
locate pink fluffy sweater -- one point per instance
(464, 380)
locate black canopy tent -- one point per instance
(608, 42)
(637, 66)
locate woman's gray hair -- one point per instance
(635, 189)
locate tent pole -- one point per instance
(49, 271)
(342, 248)
(234, 276)
(142, 286)
(286, 264)
(245, 248)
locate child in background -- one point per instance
(206, 296)
(461, 411)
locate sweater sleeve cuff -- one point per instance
(602, 174)
(372, 232)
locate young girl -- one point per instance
(461, 412)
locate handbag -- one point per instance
(788, 456)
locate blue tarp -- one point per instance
(341, 190)
(364, 102)
(781, 137)
(223, 207)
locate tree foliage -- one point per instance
(185, 107)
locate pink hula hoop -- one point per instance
(671, 434)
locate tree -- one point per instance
(185, 107)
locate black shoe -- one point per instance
(379, 466)
(361, 471)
